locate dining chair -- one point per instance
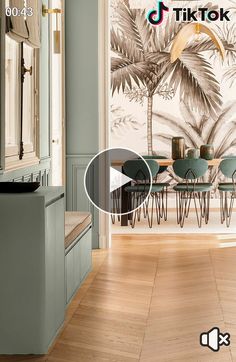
(165, 185)
(191, 170)
(139, 190)
(228, 169)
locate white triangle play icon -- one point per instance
(117, 179)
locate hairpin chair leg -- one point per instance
(181, 209)
(197, 197)
(222, 210)
(113, 216)
(229, 209)
(158, 203)
(201, 205)
(188, 205)
(150, 218)
(118, 209)
(183, 200)
(163, 206)
(207, 209)
(137, 200)
(226, 217)
(116, 206)
(142, 207)
(133, 207)
(177, 207)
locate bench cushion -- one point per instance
(75, 224)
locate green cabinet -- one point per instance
(78, 263)
(32, 270)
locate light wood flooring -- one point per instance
(148, 299)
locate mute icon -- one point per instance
(214, 339)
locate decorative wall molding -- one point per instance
(39, 173)
(76, 196)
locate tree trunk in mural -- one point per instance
(149, 125)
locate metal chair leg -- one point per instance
(184, 200)
(150, 219)
(134, 205)
(158, 204)
(227, 208)
(197, 197)
(222, 211)
(164, 201)
(201, 206)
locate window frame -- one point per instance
(31, 151)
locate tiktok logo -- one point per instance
(155, 17)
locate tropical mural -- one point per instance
(153, 100)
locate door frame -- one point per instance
(104, 102)
(63, 105)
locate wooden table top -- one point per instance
(169, 162)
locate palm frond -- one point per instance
(224, 118)
(134, 26)
(123, 72)
(147, 38)
(166, 138)
(227, 34)
(121, 125)
(145, 30)
(194, 76)
(204, 126)
(202, 45)
(178, 128)
(165, 36)
(189, 115)
(230, 75)
(196, 80)
(125, 48)
(227, 143)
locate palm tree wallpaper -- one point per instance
(153, 100)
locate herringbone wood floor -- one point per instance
(148, 299)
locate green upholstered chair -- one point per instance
(162, 169)
(191, 170)
(227, 189)
(139, 190)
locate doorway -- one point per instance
(57, 94)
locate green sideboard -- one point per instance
(78, 262)
(32, 270)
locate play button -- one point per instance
(117, 179)
(106, 181)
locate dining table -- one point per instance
(162, 162)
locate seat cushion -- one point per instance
(143, 188)
(75, 224)
(226, 186)
(163, 184)
(199, 187)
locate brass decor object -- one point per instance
(46, 11)
(207, 152)
(178, 148)
(56, 33)
(193, 153)
(189, 31)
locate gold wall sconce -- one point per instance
(189, 31)
(56, 33)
